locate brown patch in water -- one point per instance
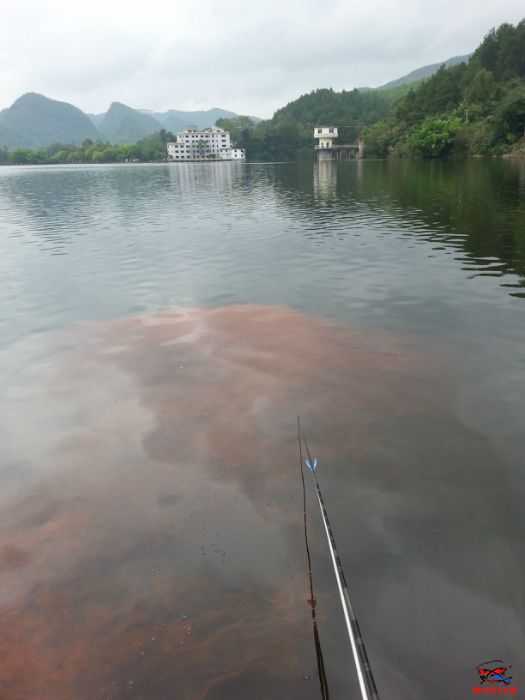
(13, 558)
(155, 551)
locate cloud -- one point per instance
(248, 57)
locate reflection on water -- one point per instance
(476, 208)
(153, 539)
(325, 180)
(158, 543)
(102, 241)
(150, 498)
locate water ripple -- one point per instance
(103, 240)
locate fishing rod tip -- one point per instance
(311, 467)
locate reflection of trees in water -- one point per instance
(55, 204)
(476, 207)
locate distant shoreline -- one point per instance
(514, 155)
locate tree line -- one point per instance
(152, 148)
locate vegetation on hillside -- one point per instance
(422, 73)
(122, 124)
(288, 134)
(150, 148)
(475, 108)
(33, 120)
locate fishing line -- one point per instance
(312, 602)
(364, 671)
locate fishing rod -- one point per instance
(364, 671)
(323, 680)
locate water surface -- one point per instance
(161, 327)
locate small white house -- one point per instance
(326, 135)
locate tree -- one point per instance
(39, 156)
(202, 148)
(21, 156)
(151, 148)
(379, 139)
(482, 88)
(509, 120)
(435, 137)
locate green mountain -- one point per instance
(419, 74)
(122, 124)
(172, 120)
(474, 108)
(34, 120)
(289, 133)
(177, 120)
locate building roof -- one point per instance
(208, 130)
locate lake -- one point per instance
(161, 328)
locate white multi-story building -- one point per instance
(209, 144)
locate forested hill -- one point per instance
(288, 134)
(34, 120)
(476, 107)
(122, 124)
(471, 108)
(421, 73)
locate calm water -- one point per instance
(161, 326)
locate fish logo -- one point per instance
(493, 674)
(494, 678)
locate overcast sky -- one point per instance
(249, 56)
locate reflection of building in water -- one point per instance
(521, 175)
(325, 179)
(213, 178)
(327, 150)
(359, 169)
(209, 144)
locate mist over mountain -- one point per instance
(97, 118)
